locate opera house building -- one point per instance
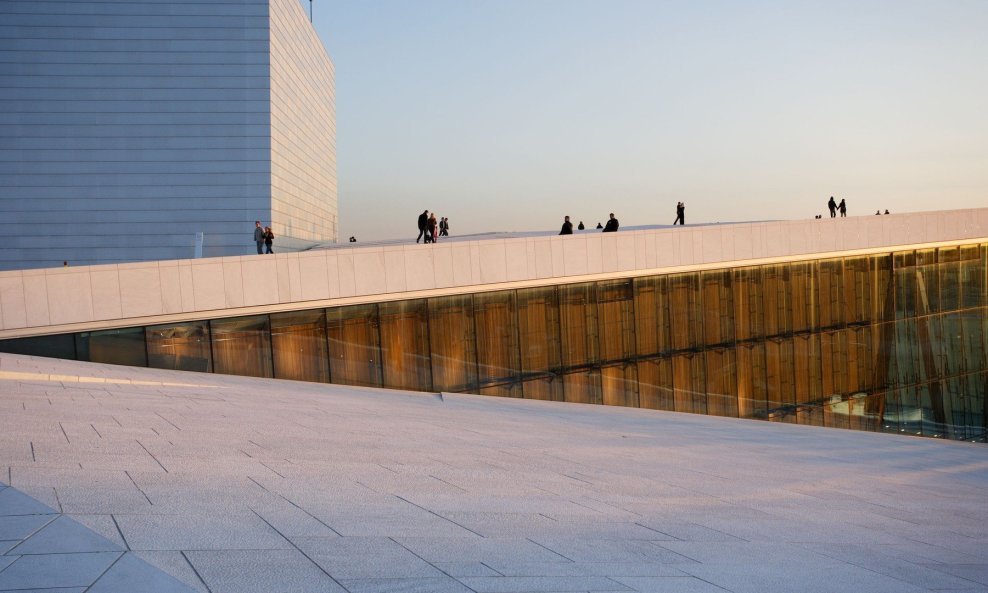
(874, 323)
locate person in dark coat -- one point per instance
(259, 236)
(612, 225)
(444, 227)
(268, 239)
(680, 214)
(567, 227)
(431, 231)
(423, 223)
(600, 226)
(580, 226)
(833, 207)
(843, 208)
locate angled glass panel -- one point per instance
(545, 386)
(498, 354)
(453, 342)
(803, 295)
(722, 382)
(689, 383)
(830, 303)
(779, 379)
(776, 299)
(752, 380)
(652, 325)
(972, 270)
(857, 290)
(242, 346)
(616, 320)
(578, 324)
(685, 310)
(718, 307)
(299, 347)
(405, 345)
(354, 345)
(582, 387)
(114, 346)
(882, 288)
(180, 346)
(619, 384)
(57, 346)
(748, 303)
(538, 331)
(655, 386)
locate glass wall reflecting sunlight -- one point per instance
(893, 342)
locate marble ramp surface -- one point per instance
(118, 479)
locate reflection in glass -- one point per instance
(578, 324)
(113, 346)
(405, 345)
(179, 346)
(354, 345)
(498, 354)
(453, 343)
(242, 346)
(298, 344)
(57, 346)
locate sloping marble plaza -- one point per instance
(135, 479)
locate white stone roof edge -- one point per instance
(57, 300)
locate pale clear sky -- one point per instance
(507, 114)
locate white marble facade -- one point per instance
(128, 127)
(53, 300)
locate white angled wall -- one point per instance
(127, 127)
(57, 300)
(303, 131)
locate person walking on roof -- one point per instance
(833, 207)
(843, 208)
(423, 222)
(612, 225)
(680, 214)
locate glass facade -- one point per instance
(893, 342)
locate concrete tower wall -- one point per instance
(127, 127)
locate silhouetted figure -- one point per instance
(431, 232)
(268, 239)
(878, 213)
(65, 264)
(259, 236)
(612, 225)
(817, 217)
(567, 227)
(886, 211)
(423, 223)
(444, 227)
(833, 207)
(680, 214)
(843, 208)
(580, 226)
(600, 226)
(353, 239)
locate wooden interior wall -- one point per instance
(354, 345)
(405, 345)
(299, 346)
(453, 343)
(242, 346)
